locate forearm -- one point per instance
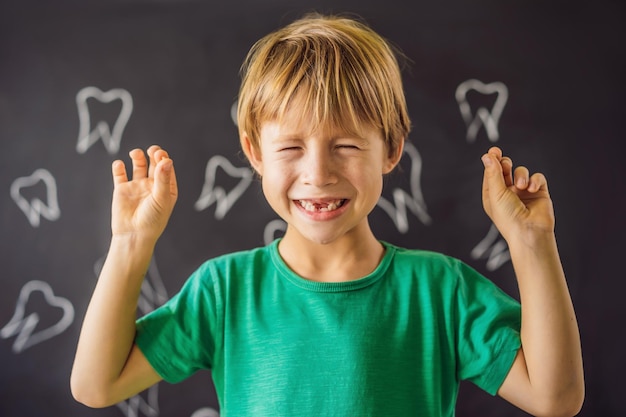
(550, 336)
(108, 329)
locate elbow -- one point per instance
(566, 405)
(572, 403)
(561, 410)
(87, 397)
(577, 403)
(88, 393)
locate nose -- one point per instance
(318, 168)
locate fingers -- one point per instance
(151, 154)
(537, 182)
(143, 167)
(165, 186)
(507, 170)
(172, 180)
(140, 164)
(527, 182)
(119, 172)
(519, 177)
(161, 169)
(496, 174)
(496, 152)
(158, 165)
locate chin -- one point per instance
(321, 234)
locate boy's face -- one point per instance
(323, 183)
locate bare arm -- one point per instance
(108, 367)
(547, 376)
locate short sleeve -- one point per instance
(488, 323)
(178, 338)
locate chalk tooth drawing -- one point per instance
(23, 326)
(414, 200)
(35, 209)
(153, 293)
(211, 193)
(206, 412)
(233, 112)
(272, 229)
(110, 138)
(493, 248)
(482, 116)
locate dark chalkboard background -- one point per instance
(562, 64)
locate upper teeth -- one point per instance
(329, 206)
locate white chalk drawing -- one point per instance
(492, 248)
(483, 116)
(414, 200)
(153, 294)
(272, 229)
(23, 326)
(214, 194)
(35, 209)
(110, 138)
(206, 412)
(233, 112)
(148, 406)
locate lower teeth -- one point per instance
(316, 207)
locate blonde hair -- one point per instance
(341, 72)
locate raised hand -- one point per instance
(142, 206)
(516, 201)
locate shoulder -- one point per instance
(424, 260)
(240, 259)
(239, 266)
(434, 269)
(259, 254)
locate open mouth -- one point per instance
(320, 206)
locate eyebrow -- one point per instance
(286, 138)
(351, 137)
(296, 136)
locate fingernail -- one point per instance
(487, 160)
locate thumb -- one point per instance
(493, 179)
(164, 182)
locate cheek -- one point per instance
(366, 170)
(368, 180)
(374, 185)
(276, 178)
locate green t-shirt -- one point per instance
(394, 343)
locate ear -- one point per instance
(393, 158)
(252, 153)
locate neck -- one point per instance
(345, 259)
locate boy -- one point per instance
(328, 320)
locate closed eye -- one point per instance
(350, 143)
(347, 146)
